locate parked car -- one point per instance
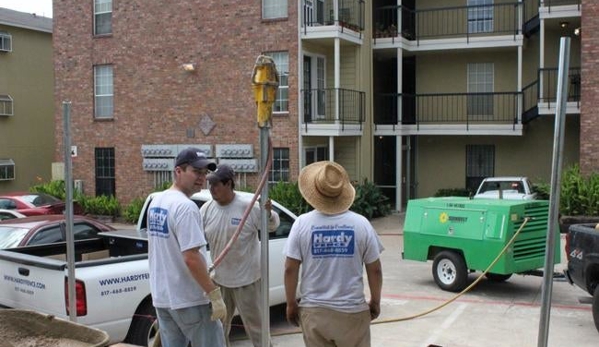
(34, 204)
(37, 230)
(508, 187)
(10, 214)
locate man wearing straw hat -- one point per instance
(332, 245)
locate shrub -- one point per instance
(132, 211)
(101, 205)
(288, 195)
(55, 188)
(370, 201)
(579, 195)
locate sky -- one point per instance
(39, 7)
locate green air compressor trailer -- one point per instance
(461, 235)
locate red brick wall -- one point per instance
(589, 118)
(155, 101)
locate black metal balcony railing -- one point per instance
(552, 3)
(321, 12)
(547, 86)
(462, 21)
(447, 108)
(320, 106)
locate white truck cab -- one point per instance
(506, 187)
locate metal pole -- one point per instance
(68, 226)
(264, 243)
(558, 146)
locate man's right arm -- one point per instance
(198, 269)
(291, 279)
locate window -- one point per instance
(280, 165)
(314, 154)
(103, 90)
(5, 42)
(7, 170)
(102, 17)
(315, 92)
(480, 16)
(272, 9)
(480, 163)
(105, 172)
(6, 105)
(281, 60)
(480, 80)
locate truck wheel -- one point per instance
(144, 327)
(449, 271)
(497, 277)
(596, 307)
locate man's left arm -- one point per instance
(374, 272)
(273, 217)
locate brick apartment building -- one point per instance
(415, 95)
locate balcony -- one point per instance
(333, 112)
(547, 90)
(463, 24)
(321, 20)
(448, 113)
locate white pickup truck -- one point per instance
(112, 286)
(506, 187)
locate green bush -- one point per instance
(101, 205)
(453, 192)
(132, 211)
(288, 195)
(55, 188)
(370, 201)
(579, 195)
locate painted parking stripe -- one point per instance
(446, 324)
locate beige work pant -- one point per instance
(323, 327)
(247, 301)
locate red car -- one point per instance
(34, 204)
(37, 230)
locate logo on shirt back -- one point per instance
(333, 243)
(157, 222)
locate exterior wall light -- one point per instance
(188, 67)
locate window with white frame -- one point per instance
(480, 16)
(103, 91)
(7, 170)
(281, 60)
(5, 42)
(272, 9)
(102, 17)
(480, 89)
(6, 105)
(314, 154)
(280, 165)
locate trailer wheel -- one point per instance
(596, 307)
(144, 326)
(497, 277)
(449, 271)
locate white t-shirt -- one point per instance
(241, 265)
(333, 250)
(174, 226)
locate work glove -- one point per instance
(219, 310)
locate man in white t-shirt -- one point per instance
(332, 245)
(238, 274)
(188, 304)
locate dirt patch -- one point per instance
(22, 328)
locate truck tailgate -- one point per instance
(26, 282)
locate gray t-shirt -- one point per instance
(333, 250)
(174, 226)
(241, 265)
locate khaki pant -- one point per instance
(323, 327)
(247, 300)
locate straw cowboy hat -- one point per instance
(325, 185)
